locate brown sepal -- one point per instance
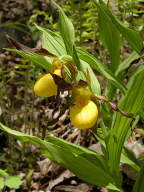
(60, 82)
(72, 68)
(80, 84)
(25, 48)
(63, 73)
(63, 85)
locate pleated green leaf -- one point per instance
(93, 81)
(132, 36)
(129, 158)
(110, 37)
(66, 30)
(98, 66)
(39, 60)
(132, 102)
(125, 64)
(76, 58)
(52, 42)
(83, 162)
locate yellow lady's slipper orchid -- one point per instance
(45, 86)
(84, 115)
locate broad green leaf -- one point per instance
(82, 167)
(97, 65)
(132, 36)
(13, 182)
(1, 182)
(85, 163)
(132, 102)
(139, 184)
(78, 150)
(66, 30)
(110, 37)
(39, 60)
(94, 84)
(125, 64)
(52, 42)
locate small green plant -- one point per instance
(78, 78)
(13, 182)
